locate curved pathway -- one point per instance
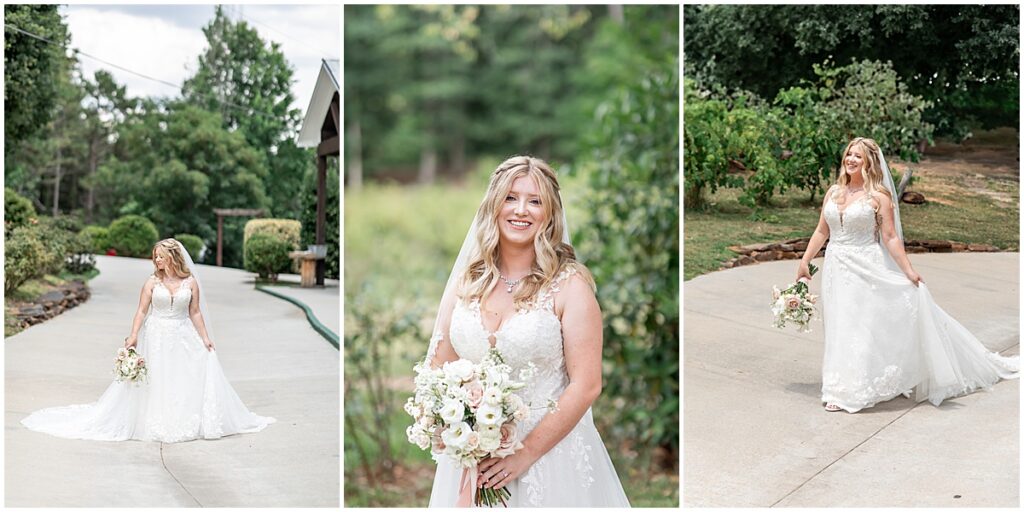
(276, 362)
(756, 435)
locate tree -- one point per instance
(248, 81)
(962, 58)
(174, 164)
(31, 68)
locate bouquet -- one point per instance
(469, 412)
(794, 304)
(129, 366)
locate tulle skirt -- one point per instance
(885, 337)
(185, 397)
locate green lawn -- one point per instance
(972, 208)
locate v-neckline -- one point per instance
(855, 201)
(501, 325)
(173, 293)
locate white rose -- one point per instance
(490, 443)
(489, 414)
(460, 370)
(455, 438)
(452, 411)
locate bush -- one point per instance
(25, 257)
(97, 238)
(631, 246)
(796, 141)
(80, 259)
(267, 255)
(59, 241)
(17, 210)
(287, 230)
(193, 244)
(133, 235)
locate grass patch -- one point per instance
(954, 211)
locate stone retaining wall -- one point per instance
(53, 303)
(794, 249)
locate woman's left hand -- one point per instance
(496, 473)
(915, 278)
(209, 345)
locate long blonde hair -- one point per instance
(170, 250)
(872, 169)
(553, 256)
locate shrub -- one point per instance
(133, 235)
(97, 238)
(193, 244)
(25, 257)
(80, 258)
(267, 255)
(17, 210)
(631, 246)
(287, 230)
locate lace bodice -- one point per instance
(168, 304)
(854, 225)
(531, 335)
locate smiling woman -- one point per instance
(523, 298)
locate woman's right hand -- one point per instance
(131, 341)
(803, 271)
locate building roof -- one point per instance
(327, 83)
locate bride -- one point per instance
(884, 335)
(186, 396)
(517, 286)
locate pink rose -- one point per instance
(509, 441)
(476, 393)
(793, 303)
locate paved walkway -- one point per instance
(756, 435)
(276, 362)
(324, 301)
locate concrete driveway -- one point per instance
(755, 432)
(276, 362)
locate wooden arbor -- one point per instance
(229, 212)
(320, 130)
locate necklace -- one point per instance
(510, 284)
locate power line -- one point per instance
(317, 48)
(180, 88)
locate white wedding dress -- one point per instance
(186, 395)
(577, 472)
(884, 336)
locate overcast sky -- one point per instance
(165, 41)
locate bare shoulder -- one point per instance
(882, 199)
(577, 287)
